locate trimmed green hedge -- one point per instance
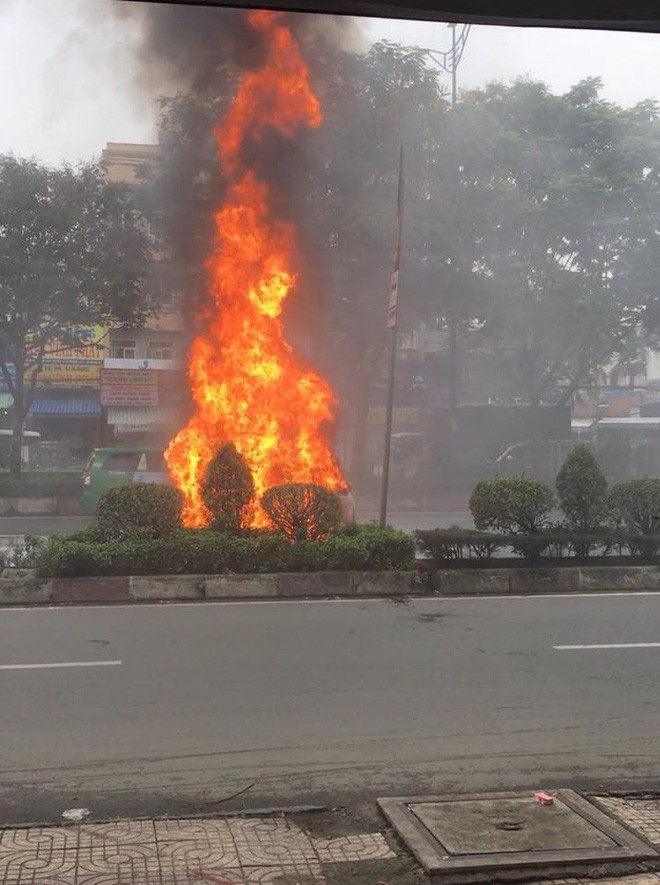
(143, 511)
(449, 547)
(198, 551)
(520, 504)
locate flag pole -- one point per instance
(392, 313)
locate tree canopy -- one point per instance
(74, 251)
(531, 219)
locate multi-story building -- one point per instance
(142, 379)
(125, 163)
(142, 382)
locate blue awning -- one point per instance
(65, 407)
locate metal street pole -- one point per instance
(392, 314)
(448, 60)
(454, 64)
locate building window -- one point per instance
(123, 349)
(160, 350)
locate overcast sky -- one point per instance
(66, 87)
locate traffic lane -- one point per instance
(16, 526)
(377, 657)
(293, 670)
(409, 520)
(313, 697)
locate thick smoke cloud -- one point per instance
(188, 50)
(182, 47)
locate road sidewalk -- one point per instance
(314, 848)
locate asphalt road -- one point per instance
(322, 702)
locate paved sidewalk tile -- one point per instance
(238, 851)
(211, 831)
(121, 832)
(55, 867)
(38, 840)
(273, 842)
(642, 815)
(352, 849)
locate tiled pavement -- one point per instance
(179, 852)
(641, 815)
(227, 851)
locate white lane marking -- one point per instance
(60, 665)
(608, 645)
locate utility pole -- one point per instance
(454, 64)
(392, 316)
(448, 61)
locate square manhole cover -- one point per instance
(487, 826)
(508, 836)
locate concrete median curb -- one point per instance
(28, 506)
(26, 588)
(530, 581)
(23, 587)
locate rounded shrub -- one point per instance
(302, 511)
(369, 547)
(582, 490)
(635, 505)
(228, 489)
(511, 504)
(139, 511)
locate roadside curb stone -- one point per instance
(240, 586)
(562, 579)
(641, 577)
(545, 580)
(144, 587)
(293, 585)
(103, 589)
(383, 583)
(472, 582)
(24, 587)
(25, 590)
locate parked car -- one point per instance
(119, 465)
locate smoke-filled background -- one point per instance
(192, 58)
(185, 47)
(530, 246)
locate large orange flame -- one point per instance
(248, 385)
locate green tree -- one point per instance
(228, 489)
(302, 511)
(582, 490)
(635, 504)
(519, 504)
(570, 261)
(74, 251)
(139, 511)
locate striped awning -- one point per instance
(65, 407)
(139, 417)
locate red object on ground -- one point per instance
(544, 798)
